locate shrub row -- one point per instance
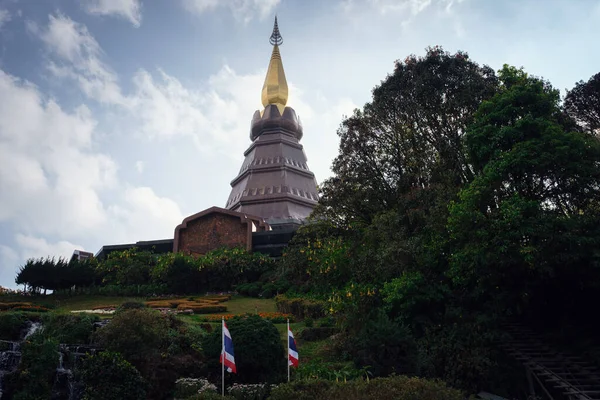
(395, 387)
(9, 306)
(263, 289)
(30, 308)
(300, 308)
(176, 303)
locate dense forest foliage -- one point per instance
(461, 199)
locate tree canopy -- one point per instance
(582, 103)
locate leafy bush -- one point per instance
(309, 322)
(259, 352)
(386, 346)
(395, 387)
(108, 376)
(137, 334)
(316, 333)
(69, 328)
(268, 290)
(300, 308)
(475, 368)
(131, 305)
(327, 322)
(249, 289)
(38, 365)
(11, 325)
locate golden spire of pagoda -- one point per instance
(275, 89)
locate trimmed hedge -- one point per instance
(218, 298)
(175, 303)
(300, 308)
(395, 387)
(11, 305)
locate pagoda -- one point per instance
(274, 181)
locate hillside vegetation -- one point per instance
(462, 199)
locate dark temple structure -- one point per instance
(274, 181)
(270, 198)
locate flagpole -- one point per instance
(223, 357)
(288, 345)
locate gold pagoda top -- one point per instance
(275, 89)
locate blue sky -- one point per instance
(118, 118)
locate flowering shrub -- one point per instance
(250, 391)
(187, 387)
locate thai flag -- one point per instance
(227, 350)
(292, 350)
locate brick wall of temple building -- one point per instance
(214, 228)
(212, 232)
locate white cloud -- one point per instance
(77, 55)
(128, 9)
(245, 10)
(9, 263)
(4, 17)
(139, 166)
(215, 118)
(48, 162)
(35, 247)
(53, 181)
(148, 215)
(406, 7)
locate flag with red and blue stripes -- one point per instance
(292, 350)
(227, 357)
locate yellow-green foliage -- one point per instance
(395, 387)
(300, 308)
(182, 303)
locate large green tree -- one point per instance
(407, 141)
(527, 225)
(582, 103)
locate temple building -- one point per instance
(274, 181)
(272, 195)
